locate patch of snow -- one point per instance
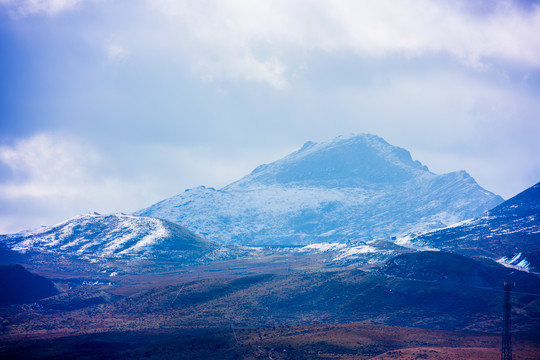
(522, 265)
(323, 247)
(356, 250)
(410, 243)
(515, 258)
(92, 283)
(158, 232)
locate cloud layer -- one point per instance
(258, 41)
(55, 177)
(254, 40)
(112, 105)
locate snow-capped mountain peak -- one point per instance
(341, 162)
(348, 188)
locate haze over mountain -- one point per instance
(510, 232)
(347, 189)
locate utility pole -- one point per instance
(506, 347)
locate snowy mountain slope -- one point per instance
(349, 188)
(509, 232)
(111, 236)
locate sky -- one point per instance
(113, 105)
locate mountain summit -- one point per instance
(342, 162)
(347, 189)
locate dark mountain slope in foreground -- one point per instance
(355, 188)
(448, 267)
(509, 232)
(19, 286)
(450, 298)
(235, 308)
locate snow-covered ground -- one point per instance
(517, 262)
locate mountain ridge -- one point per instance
(357, 155)
(93, 235)
(349, 188)
(510, 232)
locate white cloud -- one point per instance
(251, 40)
(45, 166)
(47, 176)
(52, 177)
(32, 7)
(257, 40)
(271, 71)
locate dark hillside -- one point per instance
(19, 286)
(458, 269)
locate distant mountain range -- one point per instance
(345, 197)
(355, 188)
(509, 232)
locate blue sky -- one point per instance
(111, 106)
